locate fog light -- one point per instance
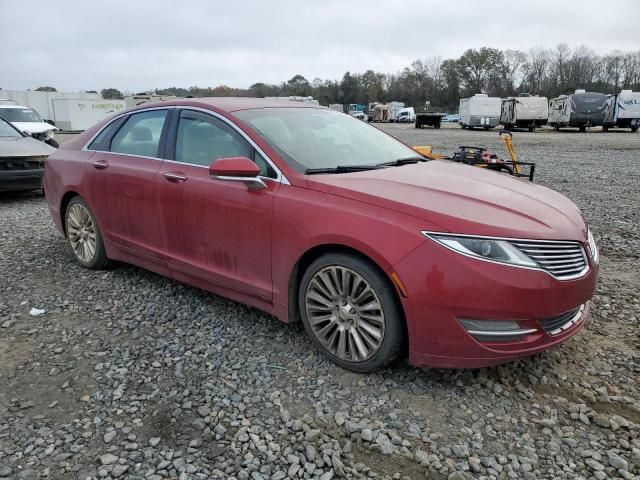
(496, 330)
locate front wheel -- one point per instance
(84, 236)
(349, 310)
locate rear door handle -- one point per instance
(100, 164)
(175, 177)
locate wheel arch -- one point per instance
(317, 251)
(64, 202)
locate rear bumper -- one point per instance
(15, 180)
(448, 287)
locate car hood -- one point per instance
(24, 147)
(34, 127)
(462, 199)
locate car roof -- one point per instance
(232, 104)
(7, 105)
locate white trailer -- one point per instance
(394, 110)
(42, 102)
(480, 110)
(525, 111)
(580, 109)
(622, 110)
(78, 115)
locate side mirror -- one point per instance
(237, 169)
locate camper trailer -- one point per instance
(622, 110)
(525, 111)
(580, 109)
(480, 111)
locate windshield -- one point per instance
(7, 130)
(19, 115)
(310, 138)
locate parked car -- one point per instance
(21, 159)
(358, 115)
(28, 121)
(451, 117)
(310, 215)
(406, 115)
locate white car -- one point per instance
(28, 121)
(358, 115)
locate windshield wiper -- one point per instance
(403, 161)
(343, 169)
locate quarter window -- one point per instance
(140, 135)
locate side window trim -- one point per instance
(171, 143)
(171, 109)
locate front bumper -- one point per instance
(16, 180)
(444, 286)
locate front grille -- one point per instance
(563, 260)
(555, 325)
(21, 163)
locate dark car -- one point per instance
(21, 159)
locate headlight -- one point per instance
(484, 248)
(595, 255)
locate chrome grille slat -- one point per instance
(561, 259)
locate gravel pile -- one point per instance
(131, 375)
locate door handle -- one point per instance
(100, 164)
(175, 177)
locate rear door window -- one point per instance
(141, 134)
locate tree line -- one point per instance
(540, 71)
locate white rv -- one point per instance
(622, 110)
(394, 109)
(480, 110)
(525, 111)
(580, 109)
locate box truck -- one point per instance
(622, 110)
(480, 110)
(525, 111)
(580, 109)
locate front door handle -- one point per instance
(100, 164)
(175, 177)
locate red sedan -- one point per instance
(314, 216)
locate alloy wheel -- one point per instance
(345, 313)
(81, 232)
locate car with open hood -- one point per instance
(21, 159)
(28, 121)
(314, 216)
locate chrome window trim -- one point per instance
(576, 276)
(280, 177)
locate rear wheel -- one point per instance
(605, 128)
(583, 129)
(532, 129)
(634, 129)
(84, 236)
(350, 312)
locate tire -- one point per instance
(437, 126)
(605, 128)
(583, 129)
(634, 129)
(418, 125)
(337, 336)
(532, 129)
(52, 142)
(83, 235)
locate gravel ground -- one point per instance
(131, 375)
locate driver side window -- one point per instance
(201, 139)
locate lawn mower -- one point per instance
(483, 158)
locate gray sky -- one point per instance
(142, 44)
